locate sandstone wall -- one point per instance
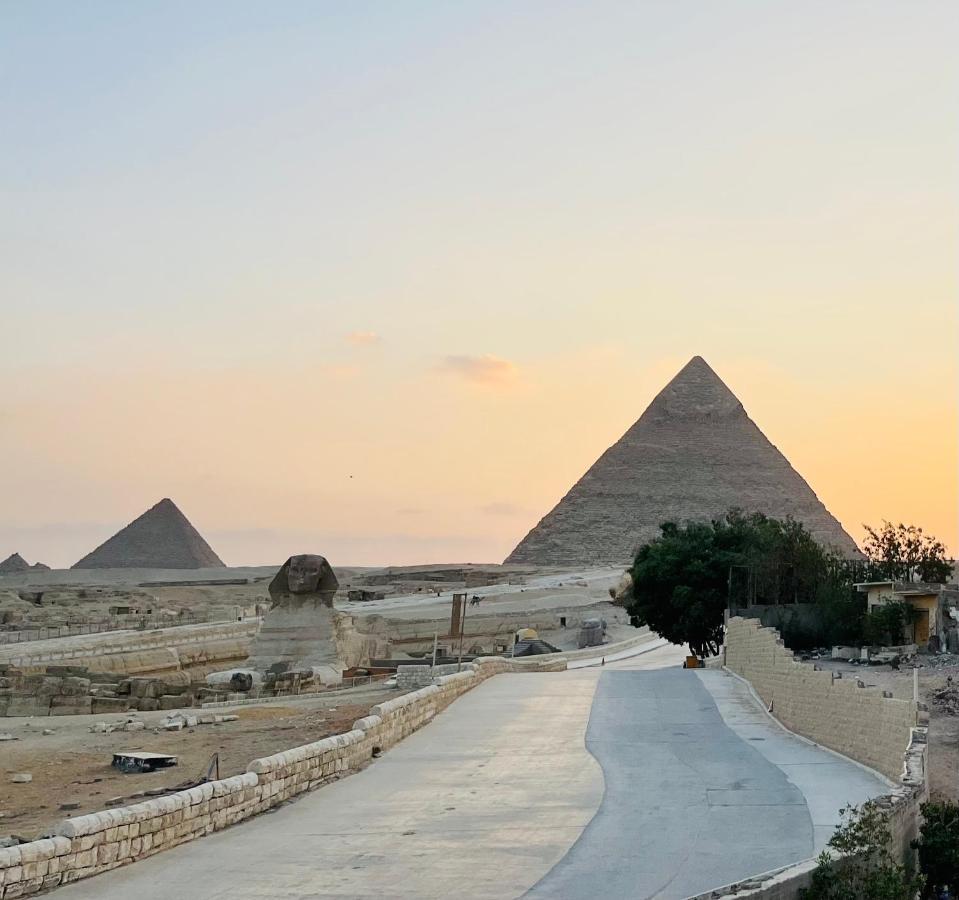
(153, 652)
(89, 845)
(858, 722)
(862, 723)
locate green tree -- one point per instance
(867, 868)
(938, 846)
(905, 553)
(684, 580)
(886, 624)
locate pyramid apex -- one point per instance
(695, 392)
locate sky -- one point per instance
(382, 280)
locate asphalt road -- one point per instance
(623, 781)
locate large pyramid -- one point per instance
(162, 538)
(693, 455)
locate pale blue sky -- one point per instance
(201, 195)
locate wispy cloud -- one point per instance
(363, 338)
(486, 370)
(501, 509)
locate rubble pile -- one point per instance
(73, 690)
(946, 699)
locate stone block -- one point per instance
(70, 706)
(101, 705)
(28, 705)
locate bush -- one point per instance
(866, 870)
(886, 624)
(938, 846)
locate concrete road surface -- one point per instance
(625, 781)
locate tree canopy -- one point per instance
(684, 579)
(905, 553)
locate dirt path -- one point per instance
(72, 765)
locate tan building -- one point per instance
(931, 601)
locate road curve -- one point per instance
(628, 781)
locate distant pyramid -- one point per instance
(162, 538)
(693, 455)
(14, 563)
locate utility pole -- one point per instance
(459, 661)
(435, 638)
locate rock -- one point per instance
(6, 736)
(21, 778)
(102, 705)
(69, 807)
(48, 731)
(134, 725)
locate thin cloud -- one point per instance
(363, 338)
(501, 509)
(486, 370)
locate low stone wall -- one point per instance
(836, 712)
(139, 652)
(95, 843)
(864, 724)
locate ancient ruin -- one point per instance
(298, 633)
(162, 538)
(694, 454)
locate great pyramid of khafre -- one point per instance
(162, 538)
(692, 456)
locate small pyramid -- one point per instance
(14, 563)
(162, 538)
(693, 455)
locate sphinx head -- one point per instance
(304, 572)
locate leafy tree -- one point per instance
(938, 846)
(867, 869)
(886, 624)
(683, 580)
(904, 553)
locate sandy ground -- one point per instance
(73, 765)
(943, 719)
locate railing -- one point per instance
(139, 623)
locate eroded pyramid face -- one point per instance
(693, 455)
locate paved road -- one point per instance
(626, 781)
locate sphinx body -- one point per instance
(303, 633)
(298, 633)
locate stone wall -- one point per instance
(862, 723)
(95, 843)
(858, 722)
(159, 651)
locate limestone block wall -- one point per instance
(139, 652)
(858, 722)
(861, 723)
(95, 843)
